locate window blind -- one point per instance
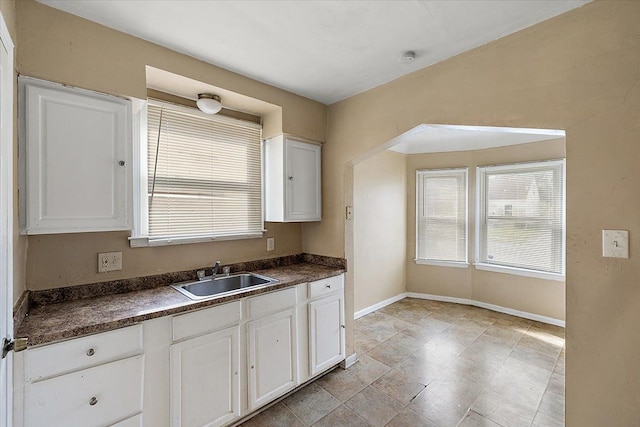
(441, 215)
(522, 216)
(204, 175)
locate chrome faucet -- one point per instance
(214, 273)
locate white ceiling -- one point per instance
(444, 138)
(323, 50)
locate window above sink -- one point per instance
(200, 177)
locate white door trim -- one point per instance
(7, 107)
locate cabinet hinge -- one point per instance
(16, 345)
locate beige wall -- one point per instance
(8, 9)
(379, 202)
(71, 259)
(537, 296)
(60, 47)
(578, 72)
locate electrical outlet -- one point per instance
(109, 261)
(271, 244)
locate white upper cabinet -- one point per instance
(75, 170)
(292, 180)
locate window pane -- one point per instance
(441, 197)
(522, 216)
(521, 244)
(442, 213)
(204, 175)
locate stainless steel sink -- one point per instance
(209, 287)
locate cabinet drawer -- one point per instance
(204, 321)
(80, 353)
(273, 302)
(326, 286)
(96, 396)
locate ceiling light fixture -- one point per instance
(407, 57)
(208, 103)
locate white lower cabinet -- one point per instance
(135, 421)
(203, 368)
(205, 380)
(99, 396)
(326, 333)
(96, 380)
(272, 357)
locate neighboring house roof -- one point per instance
(509, 187)
(517, 187)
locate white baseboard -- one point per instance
(500, 309)
(465, 301)
(349, 361)
(378, 306)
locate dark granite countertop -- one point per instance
(71, 318)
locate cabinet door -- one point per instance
(76, 145)
(303, 190)
(205, 379)
(326, 333)
(272, 357)
(135, 421)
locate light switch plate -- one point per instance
(615, 243)
(271, 244)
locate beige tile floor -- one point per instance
(427, 363)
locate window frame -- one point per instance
(140, 230)
(481, 203)
(443, 172)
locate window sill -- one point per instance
(520, 272)
(146, 242)
(457, 264)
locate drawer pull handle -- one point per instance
(93, 401)
(91, 352)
